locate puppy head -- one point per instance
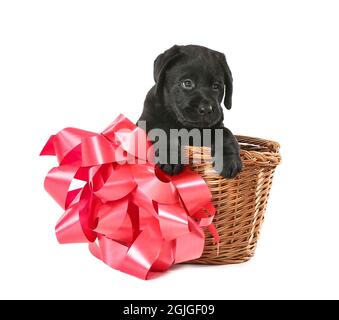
(191, 80)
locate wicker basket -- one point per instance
(240, 202)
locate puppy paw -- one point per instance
(231, 167)
(171, 169)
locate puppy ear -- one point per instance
(228, 81)
(163, 62)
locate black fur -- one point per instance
(170, 105)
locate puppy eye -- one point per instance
(216, 86)
(187, 84)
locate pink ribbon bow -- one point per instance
(135, 218)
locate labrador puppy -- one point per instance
(190, 84)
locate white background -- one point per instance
(81, 63)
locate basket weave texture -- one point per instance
(240, 202)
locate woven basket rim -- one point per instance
(254, 151)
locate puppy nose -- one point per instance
(205, 110)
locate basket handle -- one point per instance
(271, 145)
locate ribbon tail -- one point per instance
(48, 149)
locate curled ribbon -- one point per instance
(135, 218)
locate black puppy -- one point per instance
(190, 82)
